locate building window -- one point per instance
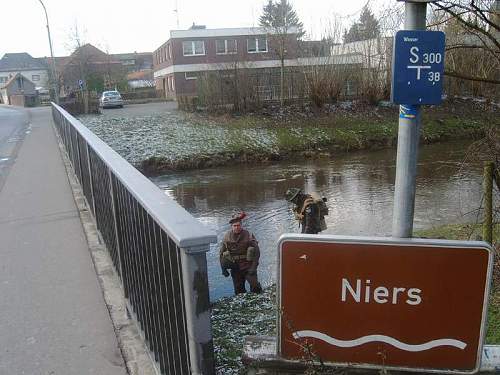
(20, 83)
(35, 77)
(256, 45)
(193, 48)
(191, 75)
(4, 79)
(169, 49)
(225, 46)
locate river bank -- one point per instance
(161, 141)
(297, 133)
(233, 318)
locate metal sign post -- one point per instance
(385, 303)
(408, 136)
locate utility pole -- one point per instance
(408, 137)
(176, 11)
(53, 65)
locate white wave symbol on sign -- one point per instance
(380, 338)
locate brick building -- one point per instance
(179, 62)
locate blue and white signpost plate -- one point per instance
(418, 67)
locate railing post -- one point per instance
(115, 226)
(80, 176)
(91, 181)
(197, 303)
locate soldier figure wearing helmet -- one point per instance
(239, 253)
(306, 210)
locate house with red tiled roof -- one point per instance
(90, 67)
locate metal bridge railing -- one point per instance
(158, 250)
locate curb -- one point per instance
(134, 352)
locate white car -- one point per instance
(111, 99)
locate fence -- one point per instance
(158, 250)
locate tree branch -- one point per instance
(470, 78)
(446, 20)
(494, 54)
(460, 46)
(483, 16)
(468, 24)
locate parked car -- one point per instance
(111, 99)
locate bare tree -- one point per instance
(326, 79)
(473, 30)
(280, 20)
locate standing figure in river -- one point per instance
(239, 253)
(309, 210)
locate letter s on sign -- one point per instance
(414, 56)
(414, 297)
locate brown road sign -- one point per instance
(378, 302)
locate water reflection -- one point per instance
(359, 188)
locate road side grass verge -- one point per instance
(233, 318)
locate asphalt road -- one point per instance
(14, 123)
(136, 110)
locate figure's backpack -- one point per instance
(323, 209)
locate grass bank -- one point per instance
(162, 139)
(264, 138)
(233, 318)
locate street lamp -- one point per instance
(54, 76)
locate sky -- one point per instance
(119, 26)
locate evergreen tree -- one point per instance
(280, 15)
(366, 28)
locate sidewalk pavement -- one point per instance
(53, 319)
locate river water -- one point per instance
(359, 187)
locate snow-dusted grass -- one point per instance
(169, 139)
(233, 318)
